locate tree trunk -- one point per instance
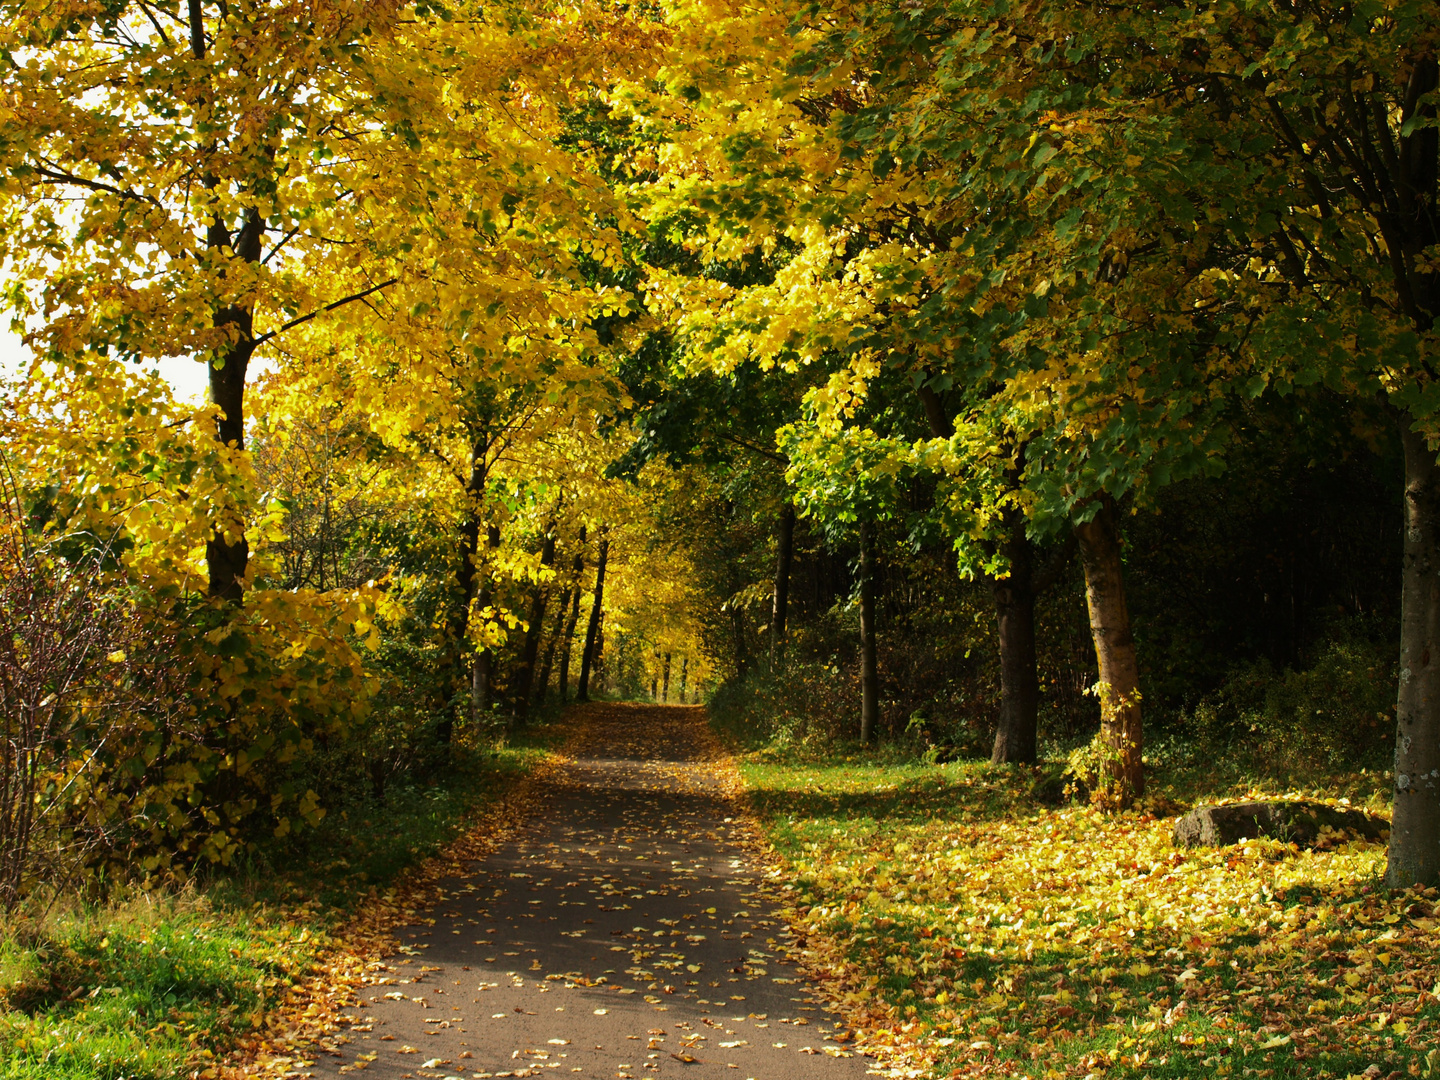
(574, 621)
(684, 676)
(227, 552)
(1414, 857)
(542, 684)
(482, 675)
(1015, 737)
(737, 640)
(452, 677)
(1119, 689)
(780, 603)
(599, 670)
(592, 632)
(665, 683)
(525, 676)
(869, 672)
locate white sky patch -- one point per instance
(187, 379)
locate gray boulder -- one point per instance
(1291, 821)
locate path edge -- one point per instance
(297, 1029)
(898, 1048)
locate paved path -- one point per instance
(619, 935)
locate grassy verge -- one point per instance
(1041, 942)
(150, 985)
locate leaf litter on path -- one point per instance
(625, 928)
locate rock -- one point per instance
(1291, 821)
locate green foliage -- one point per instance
(805, 706)
(1337, 714)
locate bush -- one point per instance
(802, 704)
(81, 681)
(1336, 715)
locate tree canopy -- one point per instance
(659, 349)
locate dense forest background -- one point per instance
(910, 382)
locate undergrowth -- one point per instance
(152, 982)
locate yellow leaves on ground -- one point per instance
(1068, 942)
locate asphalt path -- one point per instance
(620, 934)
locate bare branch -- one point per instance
(263, 338)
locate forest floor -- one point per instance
(1017, 939)
(933, 918)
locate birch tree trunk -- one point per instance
(1099, 540)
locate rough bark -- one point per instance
(1015, 736)
(869, 670)
(780, 602)
(684, 676)
(1414, 856)
(1099, 541)
(525, 674)
(592, 631)
(665, 682)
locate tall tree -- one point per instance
(869, 664)
(597, 613)
(570, 624)
(784, 560)
(215, 181)
(524, 675)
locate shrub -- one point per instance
(1336, 715)
(76, 678)
(799, 704)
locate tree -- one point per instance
(525, 675)
(597, 612)
(244, 170)
(869, 674)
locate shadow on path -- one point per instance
(620, 934)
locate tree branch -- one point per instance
(263, 338)
(60, 177)
(772, 455)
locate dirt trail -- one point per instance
(620, 934)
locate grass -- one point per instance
(151, 985)
(1024, 940)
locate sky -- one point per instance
(186, 377)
